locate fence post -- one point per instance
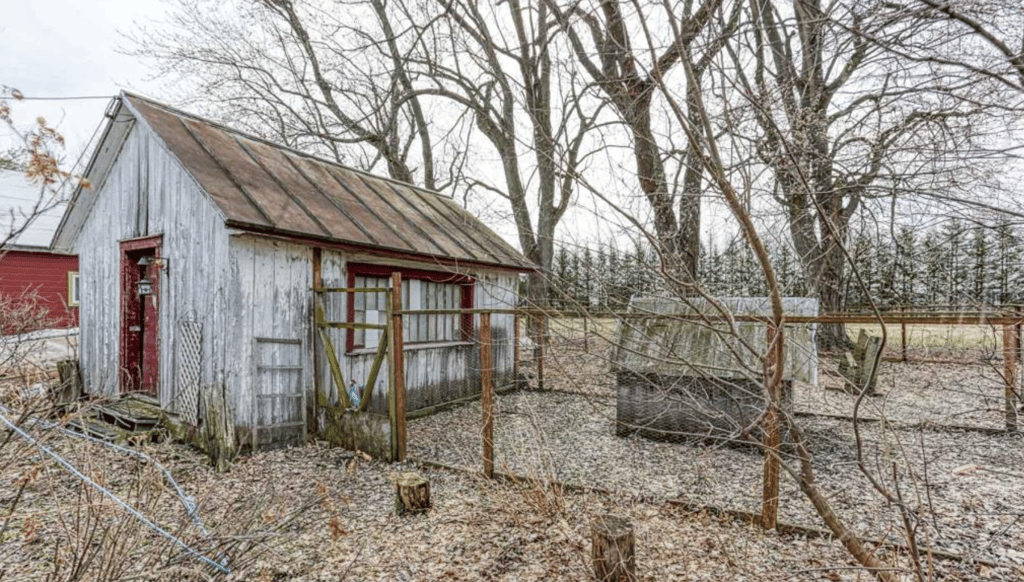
(903, 334)
(540, 352)
(515, 349)
(772, 436)
(487, 392)
(398, 371)
(1010, 375)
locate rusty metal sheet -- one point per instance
(474, 227)
(307, 193)
(371, 225)
(396, 222)
(413, 217)
(275, 203)
(226, 195)
(258, 183)
(407, 199)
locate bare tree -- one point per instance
(330, 79)
(506, 81)
(842, 122)
(628, 71)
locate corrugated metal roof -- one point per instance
(271, 189)
(27, 208)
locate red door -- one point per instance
(140, 293)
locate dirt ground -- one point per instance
(319, 513)
(476, 530)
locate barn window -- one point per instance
(420, 290)
(73, 297)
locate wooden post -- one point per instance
(1010, 375)
(487, 392)
(903, 335)
(398, 369)
(318, 283)
(515, 349)
(412, 494)
(613, 549)
(540, 352)
(772, 436)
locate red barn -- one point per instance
(38, 287)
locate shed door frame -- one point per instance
(139, 356)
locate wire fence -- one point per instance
(937, 428)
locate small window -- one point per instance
(73, 289)
(421, 290)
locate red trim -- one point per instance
(146, 242)
(371, 270)
(139, 356)
(377, 251)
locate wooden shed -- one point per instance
(687, 368)
(200, 248)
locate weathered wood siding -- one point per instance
(148, 193)
(271, 298)
(681, 347)
(434, 373)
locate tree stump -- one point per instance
(614, 549)
(412, 494)
(70, 389)
(858, 367)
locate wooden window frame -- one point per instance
(466, 282)
(74, 284)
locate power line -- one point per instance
(72, 98)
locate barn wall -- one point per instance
(433, 373)
(40, 278)
(147, 193)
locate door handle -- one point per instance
(135, 328)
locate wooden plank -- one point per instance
(399, 366)
(351, 325)
(371, 377)
(320, 289)
(274, 340)
(487, 393)
(318, 282)
(332, 358)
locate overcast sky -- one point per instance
(68, 48)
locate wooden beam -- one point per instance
(540, 351)
(515, 347)
(332, 357)
(318, 281)
(371, 379)
(487, 392)
(398, 371)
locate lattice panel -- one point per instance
(189, 364)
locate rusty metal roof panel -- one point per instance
(210, 175)
(275, 189)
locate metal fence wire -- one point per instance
(674, 408)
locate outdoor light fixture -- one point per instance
(159, 262)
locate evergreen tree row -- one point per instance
(954, 265)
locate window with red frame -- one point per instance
(420, 290)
